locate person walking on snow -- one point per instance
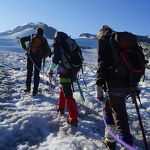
(67, 76)
(37, 49)
(115, 112)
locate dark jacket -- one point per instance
(59, 57)
(57, 47)
(104, 60)
(106, 71)
(56, 53)
(46, 48)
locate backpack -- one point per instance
(37, 45)
(128, 57)
(71, 50)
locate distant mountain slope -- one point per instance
(93, 36)
(87, 35)
(88, 41)
(143, 38)
(30, 27)
(9, 40)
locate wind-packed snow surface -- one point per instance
(31, 123)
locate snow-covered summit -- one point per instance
(9, 40)
(48, 31)
(87, 35)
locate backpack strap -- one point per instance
(65, 62)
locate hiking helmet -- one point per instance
(39, 30)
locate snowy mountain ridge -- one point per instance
(87, 35)
(48, 31)
(9, 40)
(52, 30)
(85, 40)
(140, 37)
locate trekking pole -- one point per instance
(140, 120)
(81, 93)
(51, 85)
(43, 62)
(138, 96)
(83, 78)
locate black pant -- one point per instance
(33, 62)
(115, 110)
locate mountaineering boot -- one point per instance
(108, 140)
(109, 145)
(72, 110)
(60, 110)
(34, 93)
(61, 102)
(72, 122)
(27, 90)
(35, 90)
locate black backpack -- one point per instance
(128, 57)
(72, 51)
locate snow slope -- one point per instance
(31, 123)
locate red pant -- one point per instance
(70, 103)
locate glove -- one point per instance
(99, 93)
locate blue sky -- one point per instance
(78, 16)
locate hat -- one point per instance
(39, 30)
